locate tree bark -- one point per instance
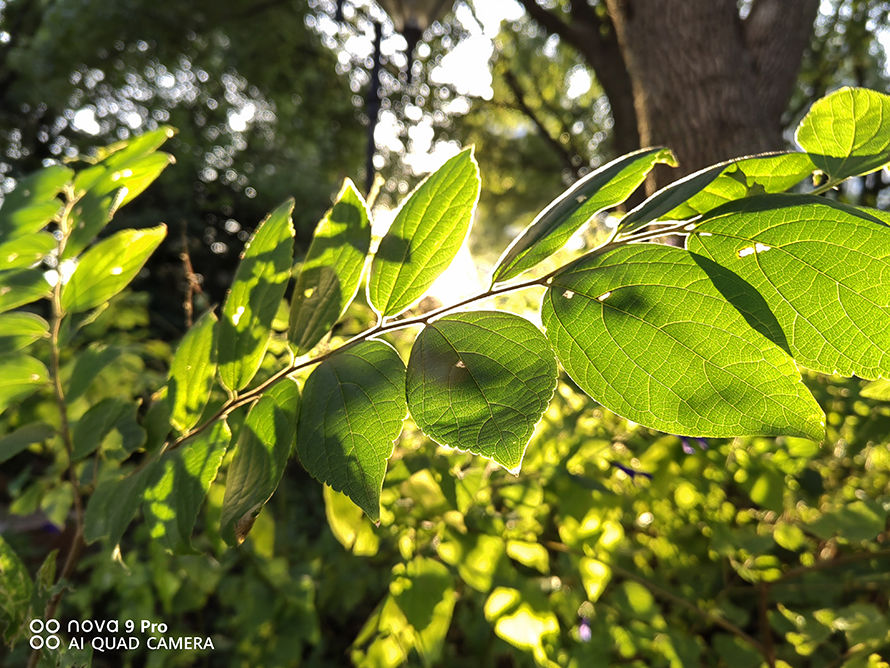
(706, 83)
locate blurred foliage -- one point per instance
(616, 545)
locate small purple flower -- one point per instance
(688, 449)
(633, 473)
(584, 632)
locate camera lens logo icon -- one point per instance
(38, 628)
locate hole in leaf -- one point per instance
(603, 297)
(568, 294)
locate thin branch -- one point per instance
(65, 425)
(516, 88)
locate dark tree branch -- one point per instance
(597, 43)
(518, 93)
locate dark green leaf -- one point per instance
(174, 498)
(20, 329)
(822, 268)
(251, 304)
(847, 133)
(33, 202)
(27, 250)
(114, 502)
(20, 375)
(481, 381)
(608, 186)
(352, 411)
(424, 591)
(191, 373)
(109, 266)
(16, 588)
(426, 234)
(107, 416)
(330, 275)
(17, 441)
(264, 444)
(88, 364)
(643, 330)
(22, 287)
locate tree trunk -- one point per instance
(706, 83)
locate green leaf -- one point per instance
(16, 589)
(643, 330)
(20, 376)
(608, 186)
(17, 441)
(114, 502)
(107, 190)
(27, 250)
(770, 173)
(264, 445)
(20, 329)
(878, 389)
(174, 498)
(822, 268)
(670, 197)
(109, 266)
(330, 275)
(251, 304)
(33, 202)
(191, 373)
(110, 414)
(847, 133)
(427, 232)
(352, 411)
(348, 524)
(480, 381)
(424, 591)
(87, 366)
(22, 287)
(117, 155)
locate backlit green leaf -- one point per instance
(251, 304)
(847, 133)
(822, 268)
(352, 411)
(16, 587)
(26, 250)
(118, 154)
(109, 266)
(426, 234)
(33, 202)
(330, 275)
(88, 364)
(878, 389)
(643, 330)
(669, 197)
(107, 190)
(608, 186)
(264, 444)
(745, 177)
(20, 329)
(175, 496)
(22, 287)
(191, 373)
(20, 375)
(480, 381)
